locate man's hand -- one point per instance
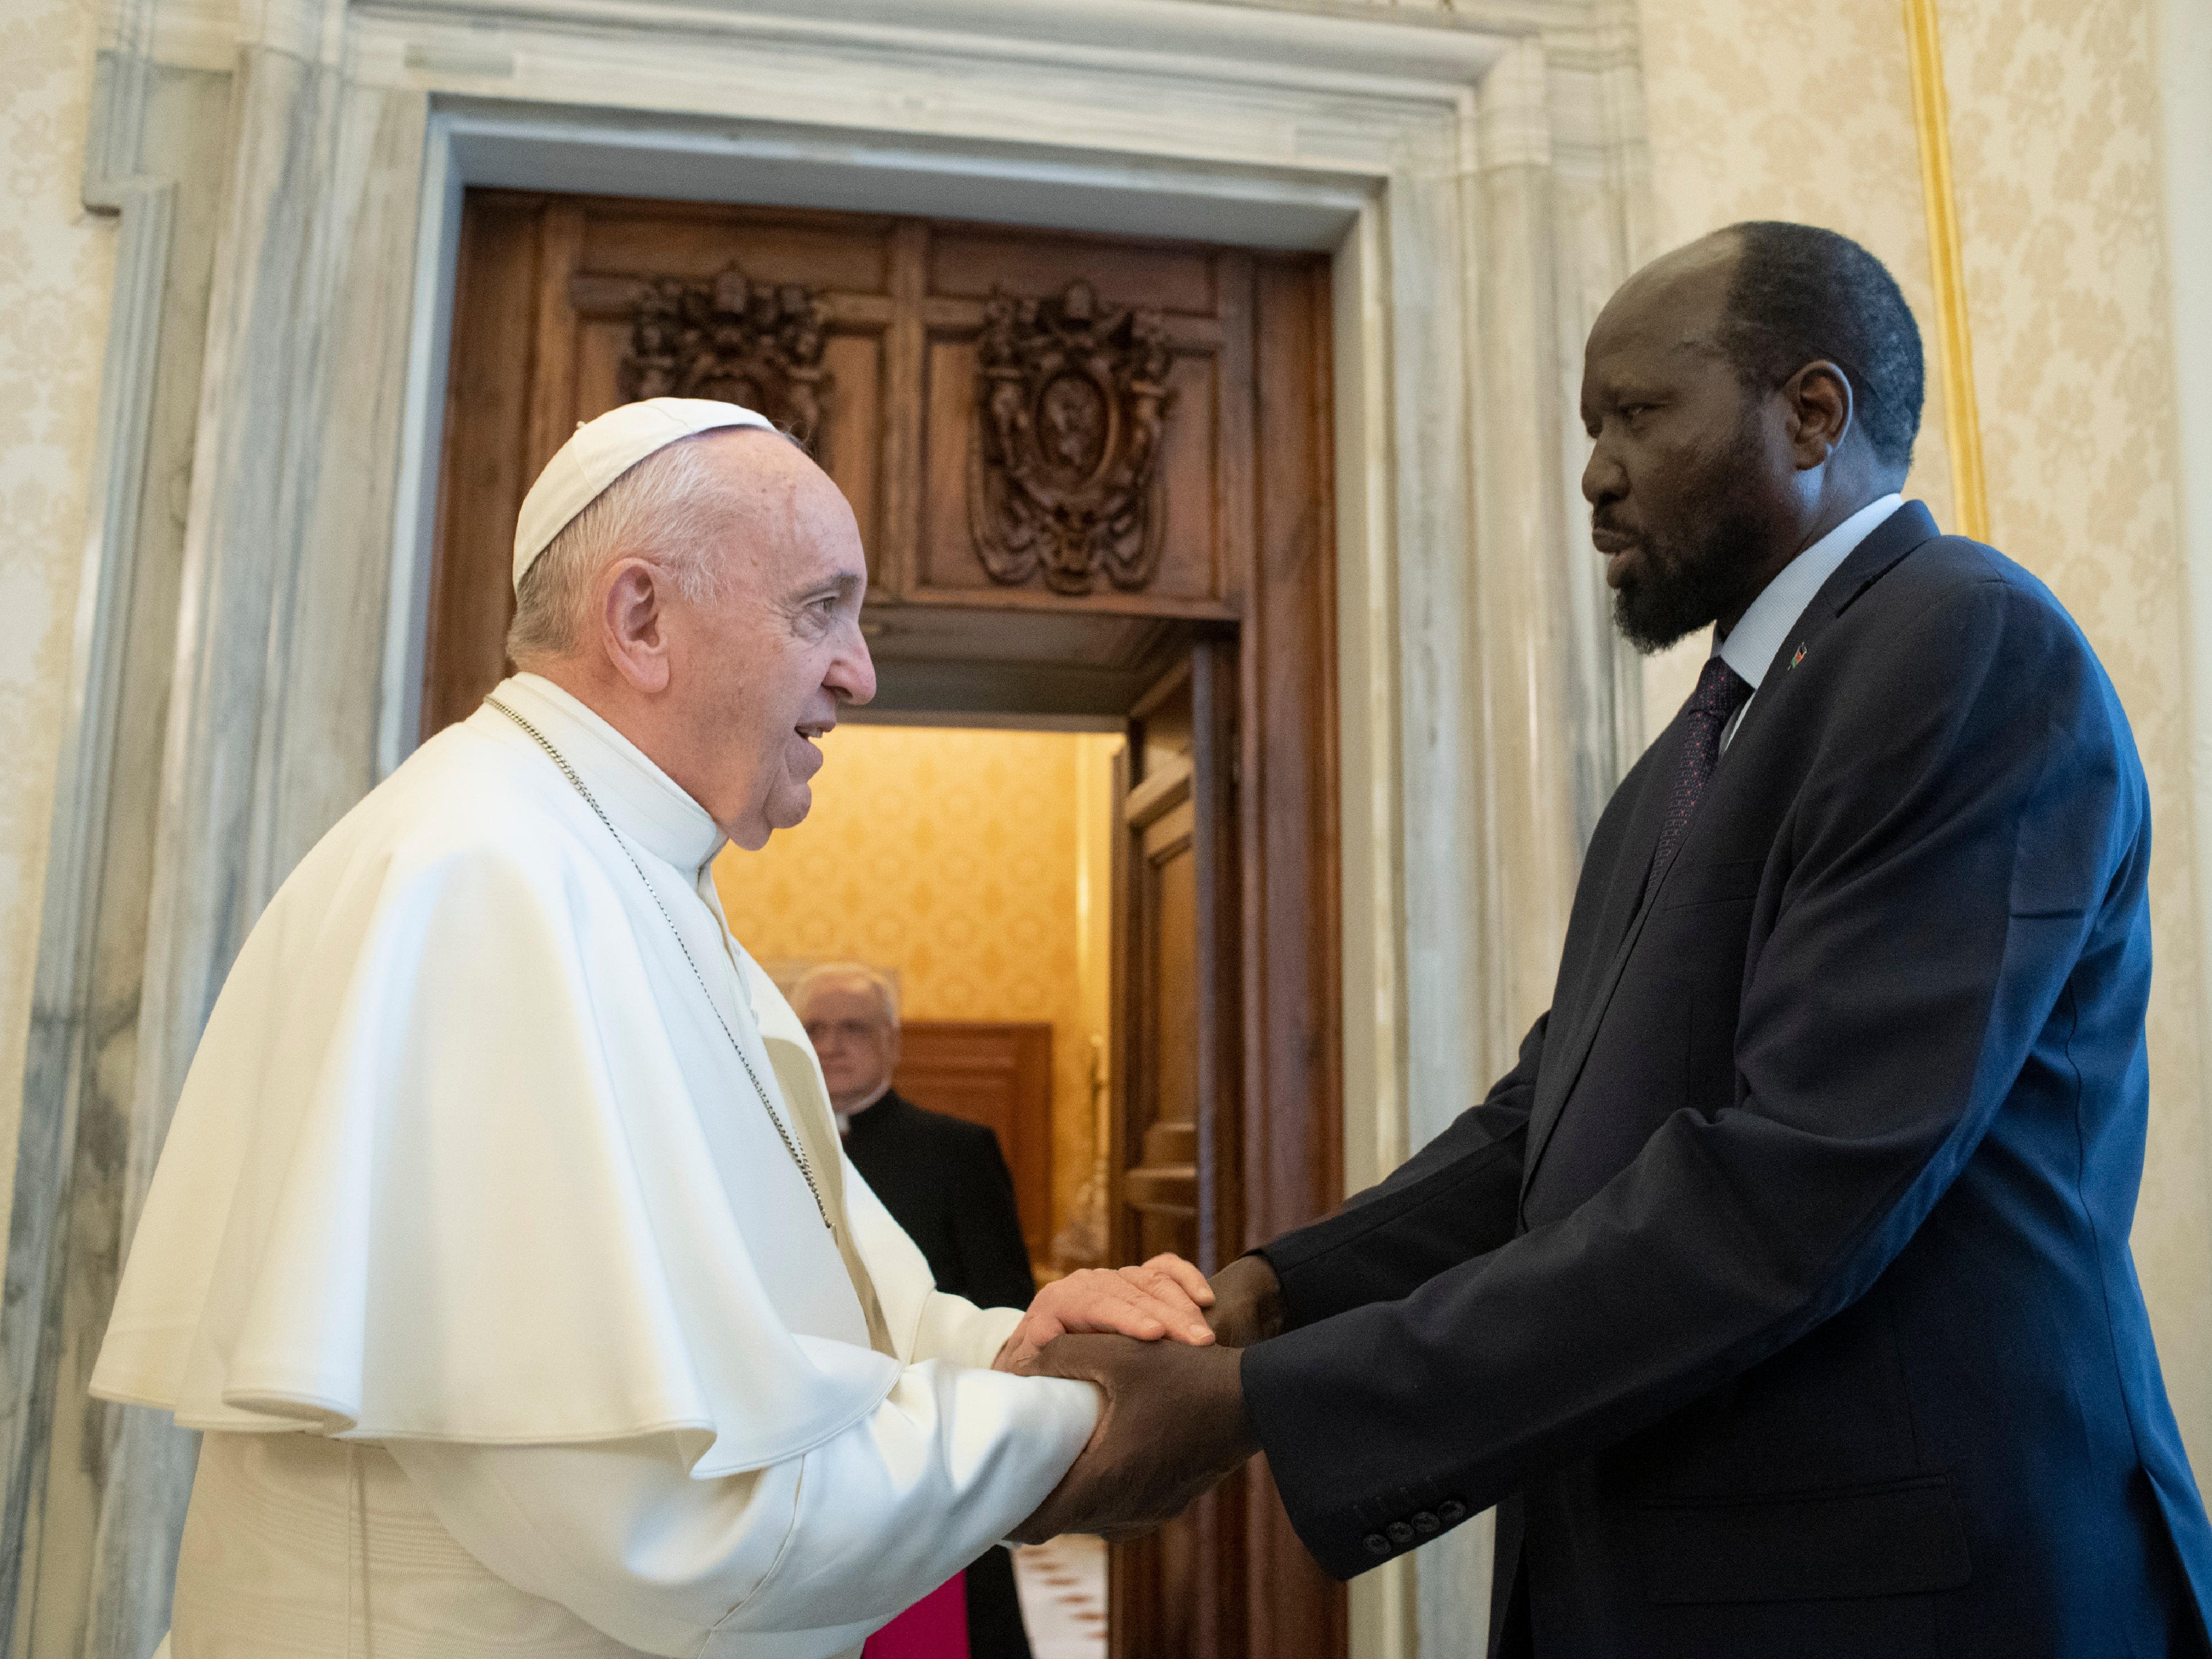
(1248, 1304)
(1172, 1424)
(1165, 1297)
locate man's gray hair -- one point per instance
(665, 509)
(885, 986)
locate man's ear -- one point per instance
(1818, 398)
(633, 628)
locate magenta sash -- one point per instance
(935, 1627)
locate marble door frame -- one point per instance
(1477, 177)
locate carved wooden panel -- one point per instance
(1109, 475)
(998, 1074)
(1064, 483)
(1161, 1185)
(815, 290)
(1181, 1593)
(756, 344)
(1193, 307)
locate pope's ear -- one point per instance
(631, 626)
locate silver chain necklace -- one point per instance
(790, 1144)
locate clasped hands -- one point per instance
(1162, 1346)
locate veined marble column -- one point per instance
(272, 713)
(1541, 696)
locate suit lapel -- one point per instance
(1896, 536)
(1635, 885)
(1870, 562)
(1907, 528)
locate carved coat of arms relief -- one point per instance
(1063, 464)
(738, 341)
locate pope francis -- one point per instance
(502, 1243)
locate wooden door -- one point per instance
(885, 343)
(1202, 610)
(1180, 1593)
(998, 1074)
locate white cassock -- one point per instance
(514, 1323)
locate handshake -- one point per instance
(1163, 1347)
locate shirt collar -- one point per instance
(1750, 646)
(645, 803)
(845, 1119)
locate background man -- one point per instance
(503, 1242)
(944, 1179)
(946, 1184)
(1781, 1292)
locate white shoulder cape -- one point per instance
(462, 1155)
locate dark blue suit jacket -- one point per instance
(1783, 1288)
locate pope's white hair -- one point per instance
(885, 986)
(665, 509)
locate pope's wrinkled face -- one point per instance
(854, 1040)
(761, 672)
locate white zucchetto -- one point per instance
(599, 451)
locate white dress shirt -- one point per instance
(1749, 646)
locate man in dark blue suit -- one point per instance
(1781, 1294)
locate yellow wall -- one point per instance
(1760, 109)
(57, 264)
(956, 859)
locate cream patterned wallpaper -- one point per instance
(1761, 110)
(56, 266)
(1764, 109)
(954, 858)
(2055, 138)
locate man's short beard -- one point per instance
(1688, 583)
(1683, 590)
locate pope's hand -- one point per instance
(1165, 1297)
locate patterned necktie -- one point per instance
(1720, 691)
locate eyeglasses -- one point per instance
(851, 1030)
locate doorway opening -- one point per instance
(974, 867)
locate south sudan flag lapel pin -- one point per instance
(1800, 657)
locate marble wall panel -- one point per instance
(1759, 110)
(280, 595)
(86, 1174)
(57, 267)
